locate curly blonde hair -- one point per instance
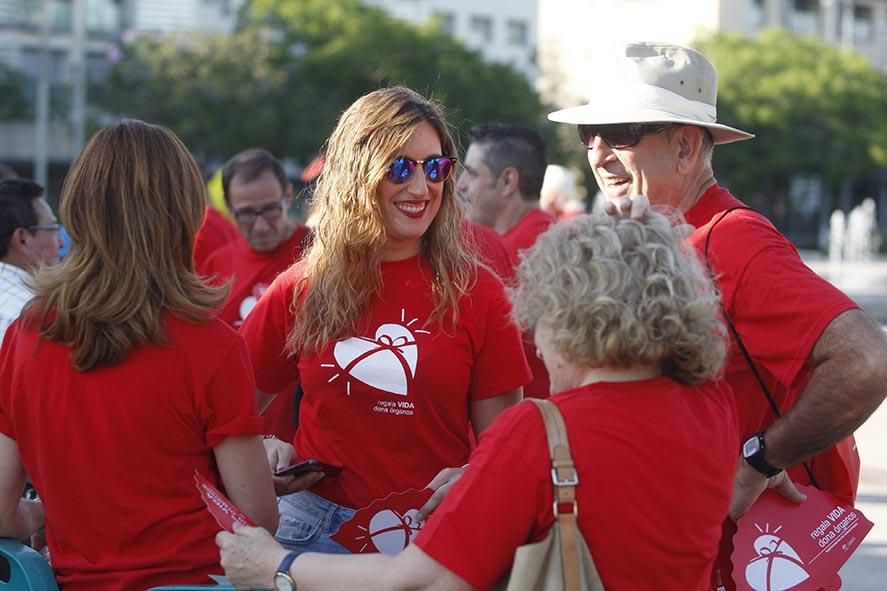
(621, 293)
(342, 267)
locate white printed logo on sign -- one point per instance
(777, 567)
(386, 362)
(392, 532)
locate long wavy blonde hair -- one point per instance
(132, 203)
(623, 292)
(342, 267)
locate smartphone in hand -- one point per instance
(310, 465)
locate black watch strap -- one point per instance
(753, 452)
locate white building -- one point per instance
(571, 32)
(166, 16)
(28, 27)
(502, 31)
(38, 37)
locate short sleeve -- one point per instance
(500, 363)
(494, 507)
(492, 250)
(229, 401)
(769, 293)
(7, 354)
(214, 270)
(265, 331)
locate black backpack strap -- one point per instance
(745, 354)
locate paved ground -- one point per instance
(867, 568)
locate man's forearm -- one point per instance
(848, 383)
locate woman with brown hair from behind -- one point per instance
(117, 384)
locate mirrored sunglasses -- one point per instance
(620, 135)
(437, 169)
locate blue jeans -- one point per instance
(307, 521)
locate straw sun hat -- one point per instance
(654, 83)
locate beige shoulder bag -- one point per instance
(562, 561)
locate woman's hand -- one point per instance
(287, 485)
(636, 208)
(280, 455)
(33, 516)
(628, 207)
(441, 485)
(250, 557)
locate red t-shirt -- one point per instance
(215, 232)
(780, 308)
(524, 233)
(492, 250)
(252, 272)
(520, 237)
(112, 452)
(655, 461)
(391, 403)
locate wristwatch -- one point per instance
(753, 453)
(282, 579)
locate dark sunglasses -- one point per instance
(437, 169)
(620, 135)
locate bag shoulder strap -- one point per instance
(749, 360)
(729, 321)
(563, 471)
(565, 478)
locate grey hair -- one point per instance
(620, 293)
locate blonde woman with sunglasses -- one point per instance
(400, 338)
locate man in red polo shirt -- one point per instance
(807, 365)
(501, 179)
(259, 195)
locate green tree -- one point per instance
(219, 94)
(350, 48)
(13, 103)
(282, 80)
(815, 109)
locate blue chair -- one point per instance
(23, 569)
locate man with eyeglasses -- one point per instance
(258, 194)
(808, 366)
(29, 238)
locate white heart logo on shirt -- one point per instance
(246, 306)
(387, 362)
(249, 302)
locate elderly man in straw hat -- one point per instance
(808, 365)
